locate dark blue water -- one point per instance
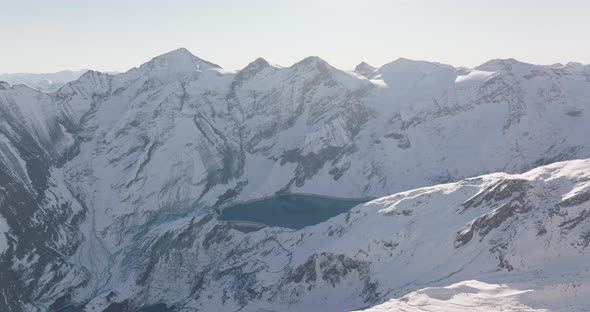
(293, 211)
(119, 307)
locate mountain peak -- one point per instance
(180, 59)
(313, 61)
(258, 63)
(173, 65)
(364, 69)
(575, 66)
(92, 76)
(180, 50)
(404, 65)
(178, 54)
(253, 68)
(90, 73)
(503, 65)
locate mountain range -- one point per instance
(112, 184)
(47, 82)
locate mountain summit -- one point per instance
(173, 65)
(180, 57)
(365, 69)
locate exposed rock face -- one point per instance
(109, 183)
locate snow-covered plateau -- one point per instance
(110, 188)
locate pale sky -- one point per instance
(107, 35)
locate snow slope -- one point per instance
(471, 296)
(529, 231)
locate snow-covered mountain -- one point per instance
(48, 82)
(110, 184)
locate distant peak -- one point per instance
(404, 65)
(570, 67)
(256, 65)
(253, 68)
(501, 61)
(4, 85)
(403, 60)
(365, 69)
(311, 61)
(91, 74)
(364, 64)
(312, 58)
(180, 57)
(575, 65)
(558, 65)
(178, 53)
(259, 62)
(502, 64)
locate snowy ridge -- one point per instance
(478, 296)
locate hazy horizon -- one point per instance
(282, 65)
(47, 37)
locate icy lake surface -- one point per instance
(293, 211)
